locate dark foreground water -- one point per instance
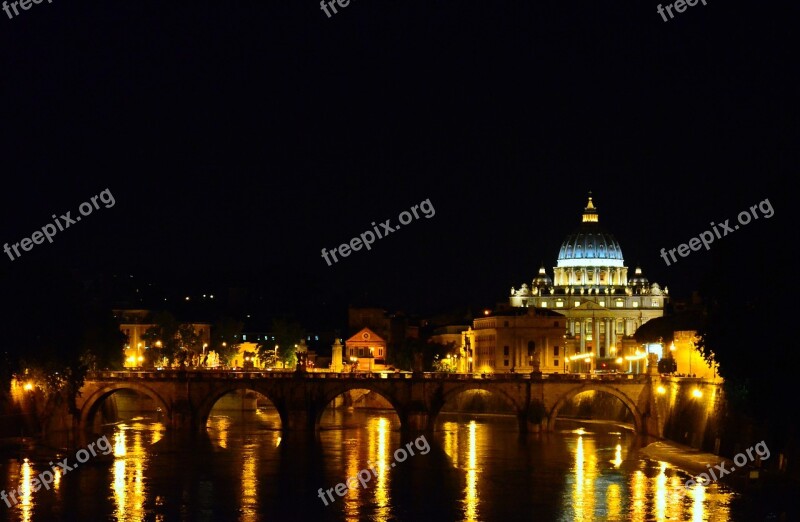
(476, 468)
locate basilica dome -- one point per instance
(590, 244)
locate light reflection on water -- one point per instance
(478, 469)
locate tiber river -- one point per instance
(477, 468)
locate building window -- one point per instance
(559, 304)
(635, 304)
(602, 303)
(620, 327)
(505, 323)
(505, 362)
(555, 351)
(577, 303)
(505, 350)
(544, 304)
(655, 302)
(620, 303)
(531, 347)
(244, 337)
(555, 362)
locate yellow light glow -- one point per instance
(472, 474)
(619, 360)
(487, 312)
(26, 492)
(661, 390)
(617, 456)
(28, 386)
(697, 393)
(637, 357)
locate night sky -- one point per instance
(238, 139)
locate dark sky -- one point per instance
(238, 139)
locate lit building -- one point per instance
(688, 357)
(134, 324)
(367, 349)
(602, 305)
(515, 341)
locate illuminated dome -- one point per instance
(590, 244)
(638, 278)
(542, 279)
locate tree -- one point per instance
(442, 364)
(287, 334)
(667, 365)
(165, 333)
(226, 334)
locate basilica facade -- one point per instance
(602, 302)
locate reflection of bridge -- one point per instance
(187, 397)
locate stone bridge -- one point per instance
(187, 397)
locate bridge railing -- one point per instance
(286, 374)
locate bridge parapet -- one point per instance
(186, 397)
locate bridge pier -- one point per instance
(417, 421)
(298, 420)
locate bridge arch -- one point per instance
(93, 402)
(205, 407)
(567, 396)
(449, 393)
(329, 395)
(492, 388)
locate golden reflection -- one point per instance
(661, 492)
(381, 464)
(128, 473)
(56, 479)
(638, 495)
(614, 501)
(119, 444)
(25, 493)
(585, 475)
(249, 501)
(452, 446)
(451, 441)
(472, 474)
(617, 456)
(698, 495)
(221, 425)
(353, 460)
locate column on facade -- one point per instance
(596, 337)
(544, 352)
(607, 336)
(582, 334)
(614, 332)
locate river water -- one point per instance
(474, 467)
